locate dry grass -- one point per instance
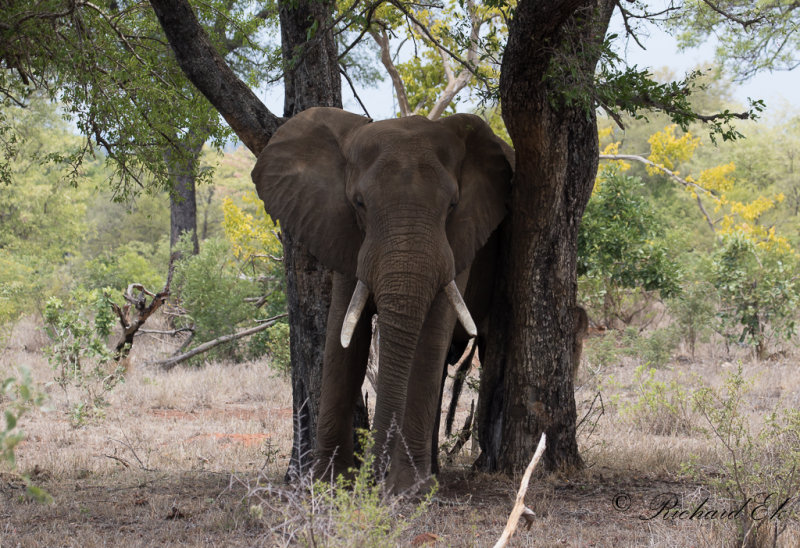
(157, 469)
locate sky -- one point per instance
(778, 89)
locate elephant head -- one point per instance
(401, 205)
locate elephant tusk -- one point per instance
(357, 302)
(461, 308)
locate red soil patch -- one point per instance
(226, 440)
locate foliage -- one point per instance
(660, 408)
(112, 70)
(274, 342)
(759, 290)
(359, 511)
(656, 348)
(694, 309)
(18, 396)
(125, 265)
(211, 291)
(751, 36)
(79, 353)
(619, 242)
(755, 463)
(603, 351)
(343, 512)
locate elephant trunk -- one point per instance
(403, 301)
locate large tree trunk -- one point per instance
(312, 79)
(527, 385)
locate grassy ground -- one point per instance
(196, 457)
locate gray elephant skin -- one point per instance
(401, 210)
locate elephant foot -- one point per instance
(329, 467)
(408, 481)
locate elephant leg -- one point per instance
(343, 373)
(411, 461)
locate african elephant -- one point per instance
(398, 209)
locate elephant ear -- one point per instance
(300, 176)
(485, 186)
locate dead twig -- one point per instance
(519, 505)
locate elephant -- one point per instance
(401, 211)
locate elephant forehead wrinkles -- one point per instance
(416, 142)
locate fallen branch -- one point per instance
(169, 363)
(143, 311)
(171, 332)
(519, 505)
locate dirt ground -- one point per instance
(196, 457)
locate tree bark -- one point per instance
(527, 386)
(182, 202)
(311, 79)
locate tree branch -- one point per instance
(252, 122)
(169, 363)
(731, 17)
(669, 173)
(382, 39)
(456, 83)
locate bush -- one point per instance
(274, 342)
(621, 246)
(759, 291)
(127, 264)
(345, 512)
(17, 397)
(693, 310)
(655, 348)
(758, 466)
(79, 354)
(660, 408)
(212, 292)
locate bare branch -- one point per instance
(674, 176)
(353, 89)
(382, 39)
(519, 505)
(169, 363)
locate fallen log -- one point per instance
(169, 363)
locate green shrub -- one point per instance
(18, 396)
(759, 291)
(655, 348)
(660, 408)
(621, 244)
(755, 463)
(212, 292)
(603, 351)
(129, 263)
(274, 342)
(693, 310)
(79, 331)
(347, 512)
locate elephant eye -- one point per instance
(359, 201)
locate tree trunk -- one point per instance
(182, 201)
(311, 79)
(528, 383)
